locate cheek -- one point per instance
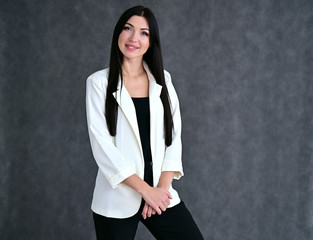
(121, 40)
(123, 36)
(146, 42)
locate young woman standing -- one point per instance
(134, 127)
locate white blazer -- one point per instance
(121, 156)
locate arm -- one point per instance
(173, 154)
(110, 161)
(166, 179)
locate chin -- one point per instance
(133, 56)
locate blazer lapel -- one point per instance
(154, 98)
(126, 104)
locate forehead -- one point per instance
(138, 22)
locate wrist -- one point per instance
(164, 186)
(143, 189)
(166, 179)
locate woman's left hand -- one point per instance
(147, 211)
(164, 183)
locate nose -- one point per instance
(133, 37)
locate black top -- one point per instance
(143, 118)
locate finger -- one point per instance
(144, 211)
(153, 212)
(158, 210)
(164, 205)
(163, 208)
(169, 195)
(168, 202)
(149, 211)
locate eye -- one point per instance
(126, 28)
(145, 34)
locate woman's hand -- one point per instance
(157, 199)
(147, 211)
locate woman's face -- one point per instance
(134, 39)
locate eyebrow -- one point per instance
(140, 28)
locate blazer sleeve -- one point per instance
(110, 161)
(173, 153)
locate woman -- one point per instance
(134, 127)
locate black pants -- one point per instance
(175, 223)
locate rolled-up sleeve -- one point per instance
(109, 159)
(173, 153)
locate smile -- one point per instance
(131, 47)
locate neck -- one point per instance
(132, 67)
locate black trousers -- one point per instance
(175, 223)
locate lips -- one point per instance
(131, 47)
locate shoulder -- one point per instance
(167, 77)
(170, 87)
(99, 77)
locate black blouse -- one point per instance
(143, 119)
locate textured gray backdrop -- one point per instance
(243, 73)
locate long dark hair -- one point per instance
(153, 58)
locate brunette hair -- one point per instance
(153, 58)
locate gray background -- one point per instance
(243, 73)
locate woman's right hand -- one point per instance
(157, 198)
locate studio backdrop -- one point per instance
(243, 73)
